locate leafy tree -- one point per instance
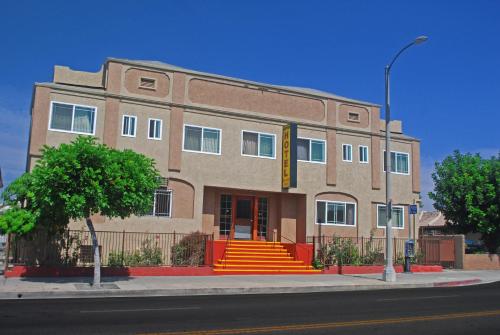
(467, 192)
(76, 181)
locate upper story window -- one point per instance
(400, 162)
(258, 144)
(311, 150)
(363, 154)
(353, 117)
(147, 83)
(347, 152)
(129, 125)
(72, 118)
(398, 217)
(154, 129)
(202, 139)
(336, 213)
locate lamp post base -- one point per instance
(389, 274)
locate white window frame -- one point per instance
(202, 131)
(398, 152)
(135, 125)
(326, 212)
(393, 227)
(258, 144)
(149, 130)
(170, 204)
(367, 154)
(310, 150)
(72, 118)
(350, 149)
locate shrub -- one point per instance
(190, 251)
(146, 255)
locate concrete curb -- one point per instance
(117, 293)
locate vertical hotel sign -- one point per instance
(289, 162)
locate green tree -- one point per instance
(467, 192)
(76, 181)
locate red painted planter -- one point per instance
(367, 269)
(52, 271)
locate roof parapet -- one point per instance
(65, 75)
(396, 126)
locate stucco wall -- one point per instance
(230, 106)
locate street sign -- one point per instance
(413, 209)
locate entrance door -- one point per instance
(244, 218)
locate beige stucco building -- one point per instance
(218, 143)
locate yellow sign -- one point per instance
(286, 163)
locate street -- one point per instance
(452, 310)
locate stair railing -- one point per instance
(295, 258)
(224, 255)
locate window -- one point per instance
(347, 152)
(154, 129)
(309, 150)
(162, 205)
(225, 217)
(129, 125)
(353, 117)
(335, 213)
(147, 83)
(398, 221)
(399, 162)
(363, 154)
(258, 144)
(200, 139)
(72, 118)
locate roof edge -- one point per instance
(304, 91)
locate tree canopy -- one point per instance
(467, 192)
(75, 181)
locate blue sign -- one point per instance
(413, 209)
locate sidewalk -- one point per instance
(46, 288)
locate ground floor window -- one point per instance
(225, 215)
(162, 205)
(398, 214)
(335, 213)
(262, 217)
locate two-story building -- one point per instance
(218, 142)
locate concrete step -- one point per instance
(266, 250)
(263, 272)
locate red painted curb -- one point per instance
(457, 283)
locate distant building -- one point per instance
(218, 141)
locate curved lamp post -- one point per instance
(389, 272)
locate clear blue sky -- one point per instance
(447, 91)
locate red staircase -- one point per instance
(259, 257)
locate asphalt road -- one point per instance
(454, 310)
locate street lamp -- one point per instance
(389, 273)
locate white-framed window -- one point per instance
(162, 205)
(202, 139)
(258, 144)
(129, 125)
(154, 129)
(400, 162)
(347, 152)
(72, 118)
(363, 154)
(311, 150)
(398, 217)
(335, 213)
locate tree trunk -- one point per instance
(97, 257)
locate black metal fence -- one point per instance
(333, 250)
(74, 248)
